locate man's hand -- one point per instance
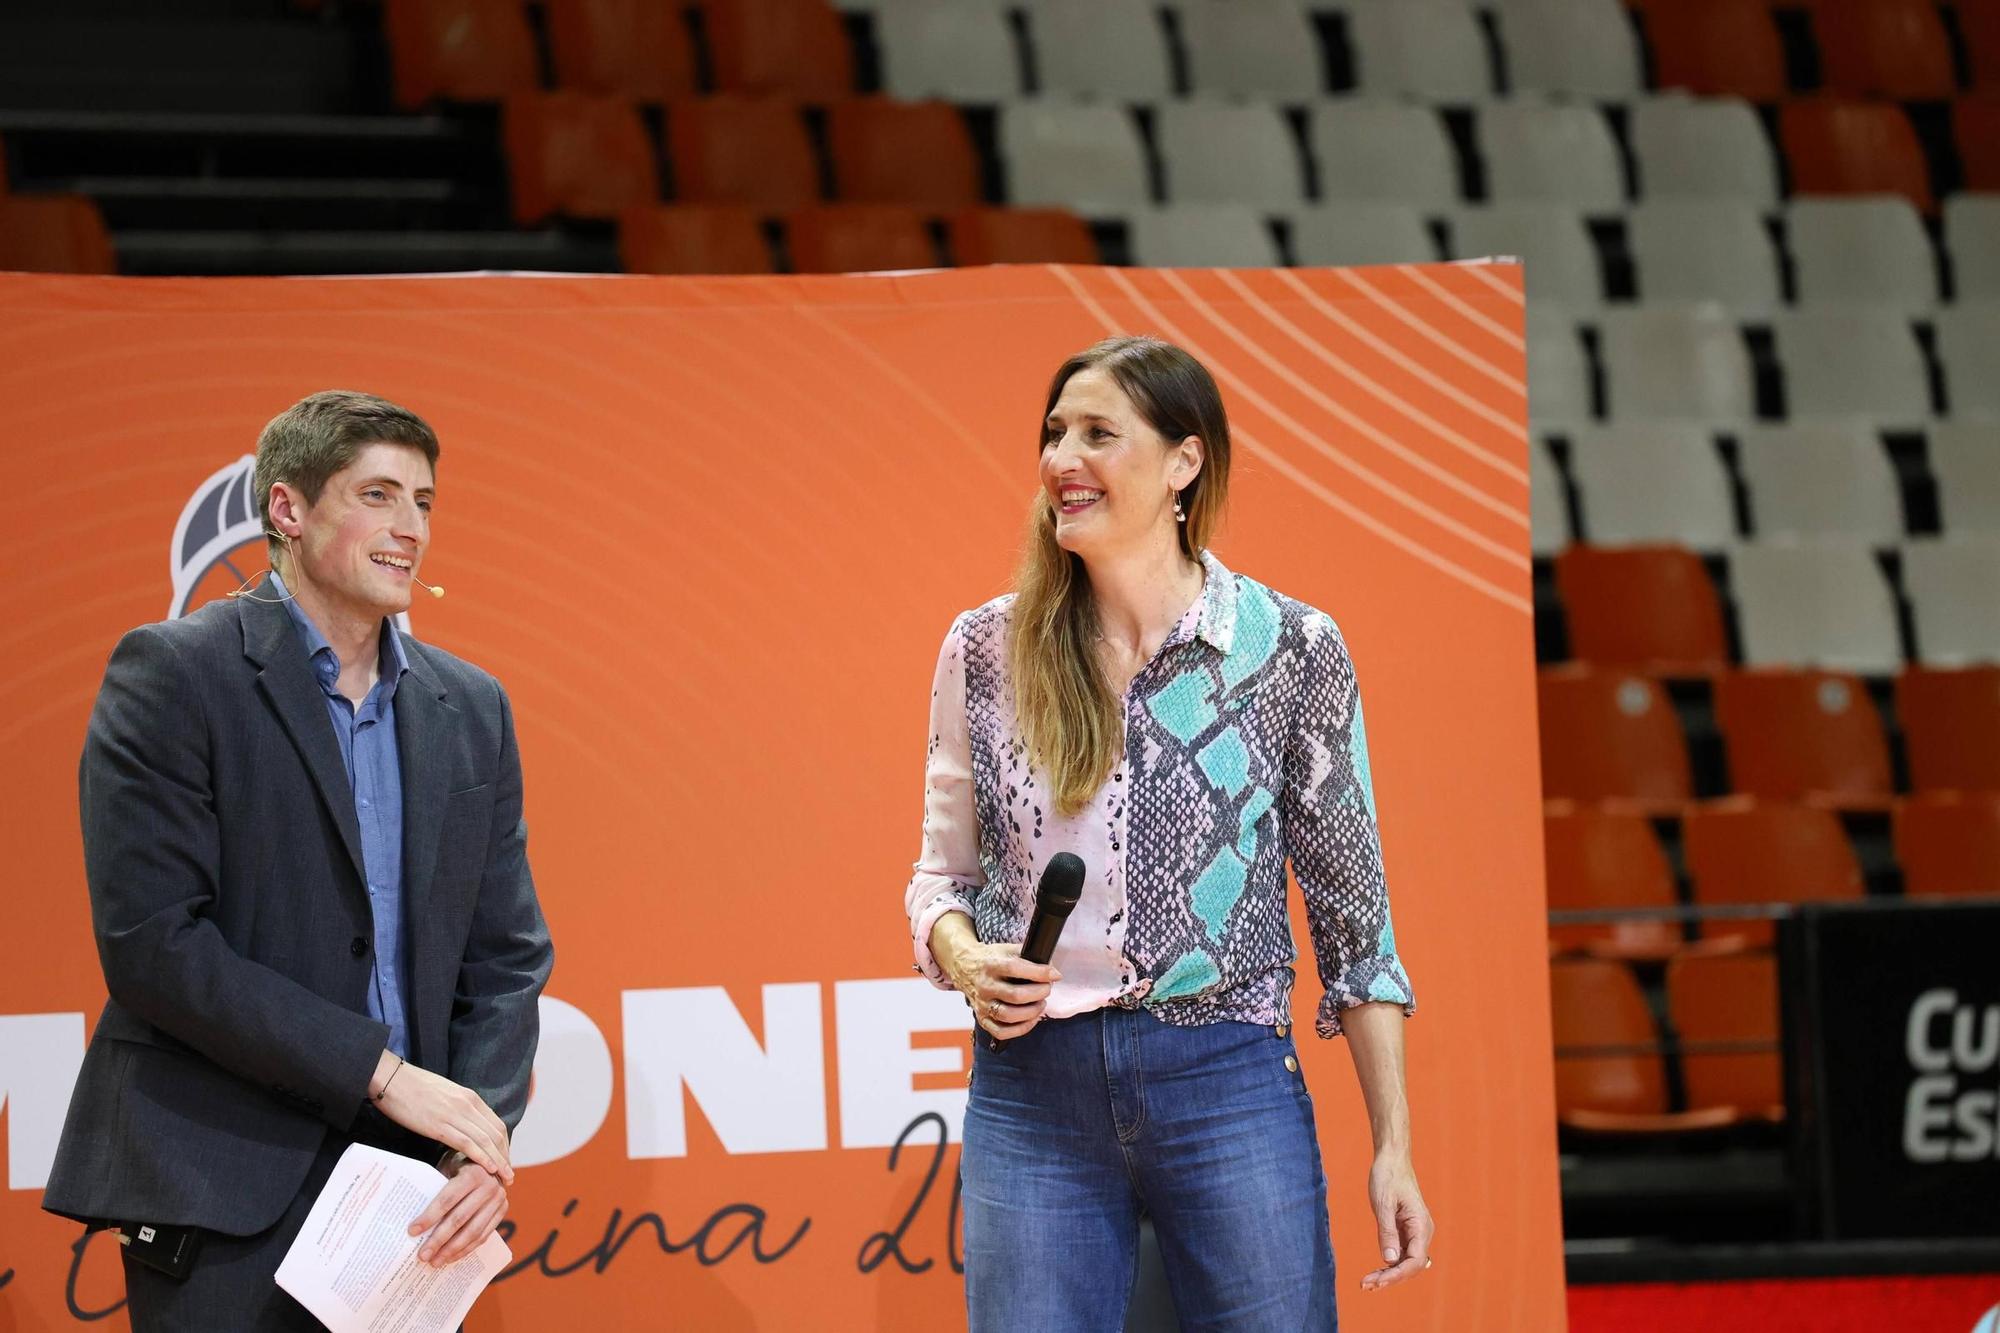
(464, 1213)
(443, 1112)
(1402, 1221)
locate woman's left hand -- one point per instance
(1402, 1220)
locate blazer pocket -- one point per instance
(467, 791)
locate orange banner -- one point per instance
(710, 532)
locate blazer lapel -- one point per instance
(271, 641)
(425, 721)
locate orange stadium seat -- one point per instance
(1975, 123)
(1609, 1073)
(464, 50)
(1733, 998)
(1642, 606)
(577, 155)
(1837, 146)
(1951, 727)
(1611, 735)
(859, 238)
(634, 48)
(1718, 48)
(1949, 844)
(797, 48)
(1884, 48)
(1742, 851)
(693, 238)
(914, 153)
(732, 150)
(1797, 734)
(1979, 25)
(1604, 860)
(53, 233)
(1020, 236)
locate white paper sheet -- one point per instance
(354, 1264)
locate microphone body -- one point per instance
(1057, 894)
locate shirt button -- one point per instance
(1292, 1063)
(359, 948)
(364, 803)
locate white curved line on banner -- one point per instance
(1395, 309)
(1500, 331)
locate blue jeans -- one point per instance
(1074, 1128)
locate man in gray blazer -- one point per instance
(309, 885)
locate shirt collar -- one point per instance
(325, 662)
(1217, 617)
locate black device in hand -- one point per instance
(1055, 896)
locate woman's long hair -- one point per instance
(1062, 703)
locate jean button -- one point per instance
(1282, 1029)
(1292, 1063)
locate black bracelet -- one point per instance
(391, 1079)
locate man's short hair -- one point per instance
(314, 438)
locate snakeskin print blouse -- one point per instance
(1244, 748)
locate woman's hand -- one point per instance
(1007, 993)
(1402, 1220)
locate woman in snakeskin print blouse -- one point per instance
(1186, 731)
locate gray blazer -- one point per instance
(232, 919)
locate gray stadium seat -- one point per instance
(1251, 48)
(1550, 239)
(1823, 604)
(1584, 48)
(1660, 481)
(1972, 239)
(1201, 236)
(1229, 153)
(1965, 458)
(1558, 373)
(1702, 148)
(1548, 514)
(1110, 50)
(1085, 158)
(1853, 361)
(1551, 153)
(1675, 362)
(957, 49)
(1968, 343)
(1820, 479)
(1952, 603)
(1869, 248)
(1705, 250)
(1431, 50)
(1351, 232)
(1384, 150)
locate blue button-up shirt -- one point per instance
(367, 737)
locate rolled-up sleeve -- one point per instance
(948, 873)
(1332, 838)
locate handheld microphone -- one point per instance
(1055, 896)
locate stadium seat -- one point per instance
(1894, 49)
(1979, 27)
(1355, 232)
(1846, 147)
(1823, 478)
(1651, 608)
(462, 50)
(693, 238)
(1558, 374)
(1742, 851)
(1729, 1000)
(577, 155)
(1384, 150)
(1949, 844)
(1705, 250)
(1965, 459)
(1702, 148)
(1073, 155)
(1794, 735)
(1951, 727)
(858, 238)
(1020, 236)
(1823, 604)
(1611, 735)
(1427, 50)
(1550, 239)
(779, 48)
(626, 48)
(1115, 50)
(1968, 346)
(1715, 48)
(1862, 248)
(732, 150)
(1552, 153)
(53, 233)
(1954, 590)
(1548, 511)
(1577, 48)
(1975, 123)
(1610, 1077)
(1201, 236)
(1251, 48)
(914, 153)
(1860, 361)
(1229, 153)
(1645, 483)
(1972, 239)
(1606, 861)
(947, 48)
(1675, 362)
